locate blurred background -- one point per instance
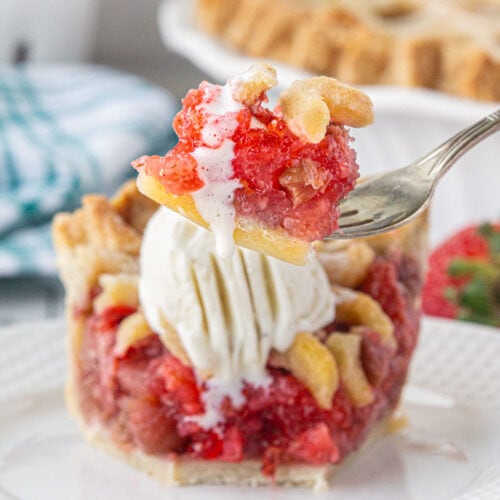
(121, 34)
(128, 37)
(86, 86)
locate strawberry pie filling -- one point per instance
(147, 398)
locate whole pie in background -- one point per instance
(449, 45)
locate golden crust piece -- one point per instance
(313, 364)
(346, 262)
(347, 351)
(451, 45)
(249, 86)
(104, 236)
(130, 331)
(310, 105)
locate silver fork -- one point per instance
(386, 201)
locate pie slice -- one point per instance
(267, 180)
(186, 389)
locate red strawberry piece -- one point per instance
(152, 430)
(315, 446)
(176, 172)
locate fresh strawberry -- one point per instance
(463, 279)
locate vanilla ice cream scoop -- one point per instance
(227, 312)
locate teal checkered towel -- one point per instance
(64, 131)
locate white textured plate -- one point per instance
(450, 450)
(409, 123)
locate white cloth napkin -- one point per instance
(66, 130)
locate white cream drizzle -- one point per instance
(215, 201)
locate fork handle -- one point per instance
(444, 156)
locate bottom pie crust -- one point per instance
(183, 472)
